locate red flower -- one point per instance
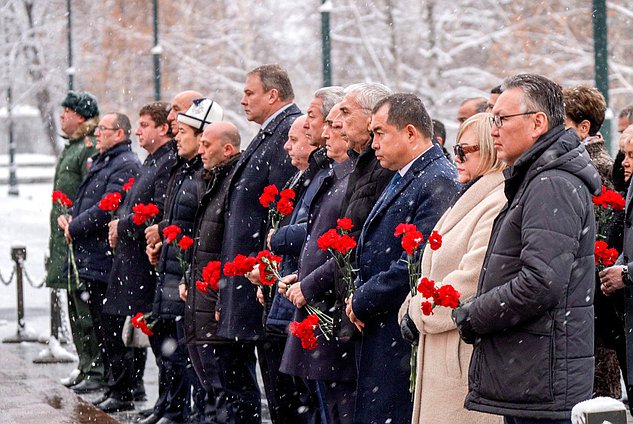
(609, 198)
(285, 206)
(185, 242)
(304, 330)
(328, 239)
(344, 224)
(288, 194)
(140, 321)
(448, 297)
(604, 256)
(63, 200)
(404, 228)
(127, 186)
(344, 244)
(269, 195)
(268, 265)
(427, 308)
(211, 274)
(110, 202)
(240, 266)
(171, 233)
(426, 287)
(142, 213)
(435, 240)
(202, 286)
(411, 241)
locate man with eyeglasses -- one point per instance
(87, 225)
(532, 319)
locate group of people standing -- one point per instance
(515, 216)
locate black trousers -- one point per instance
(289, 398)
(205, 364)
(236, 361)
(340, 397)
(173, 384)
(120, 359)
(96, 291)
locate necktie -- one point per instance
(391, 186)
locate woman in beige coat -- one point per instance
(443, 358)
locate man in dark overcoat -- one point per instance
(268, 101)
(419, 193)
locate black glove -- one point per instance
(461, 318)
(409, 331)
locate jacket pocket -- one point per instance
(516, 366)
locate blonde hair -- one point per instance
(489, 162)
(626, 137)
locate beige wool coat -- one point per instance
(443, 358)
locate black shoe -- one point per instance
(146, 413)
(86, 386)
(166, 420)
(151, 419)
(115, 405)
(100, 399)
(139, 393)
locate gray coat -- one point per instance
(534, 306)
(626, 258)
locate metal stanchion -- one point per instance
(18, 254)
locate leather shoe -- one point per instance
(152, 419)
(100, 399)
(139, 393)
(115, 405)
(86, 386)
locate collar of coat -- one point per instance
(86, 128)
(221, 168)
(117, 149)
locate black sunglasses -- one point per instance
(461, 151)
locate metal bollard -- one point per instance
(18, 254)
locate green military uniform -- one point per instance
(72, 167)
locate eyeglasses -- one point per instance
(102, 128)
(462, 150)
(498, 119)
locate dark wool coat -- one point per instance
(264, 162)
(626, 258)
(200, 323)
(180, 210)
(331, 360)
(420, 197)
(133, 279)
(534, 305)
(72, 166)
(89, 225)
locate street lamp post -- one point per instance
(13, 180)
(70, 71)
(601, 66)
(325, 9)
(156, 51)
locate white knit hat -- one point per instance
(201, 113)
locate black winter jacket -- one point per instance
(180, 210)
(89, 226)
(133, 279)
(534, 305)
(200, 323)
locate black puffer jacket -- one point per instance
(200, 323)
(180, 210)
(89, 226)
(534, 304)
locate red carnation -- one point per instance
(404, 228)
(211, 274)
(288, 194)
(127, 186)
(269, 195)
(411, 241)
(185, 242)
(427, 308)
(344, 224)
(426, 288)
(435, 240)
(328, 239)
(144, 213)
(448, 297)
(344, 244)
(304, 330)
(110, 202)
(62, 199)
(285, 206)
(171, 233)
(268, 267)
(241, 265)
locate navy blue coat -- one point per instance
(133, 279)
(264, 162)
(331, 360)
(89, 226)
(180, 210)
(420, 197)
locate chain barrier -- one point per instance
(28, 278)
(8, 281)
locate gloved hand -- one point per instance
(461, 318)
(409, 331)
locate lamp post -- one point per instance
(325, 9)
(156, 51)
(601, 66)
(13, 180)
(70, 71)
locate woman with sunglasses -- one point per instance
(443, 358)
